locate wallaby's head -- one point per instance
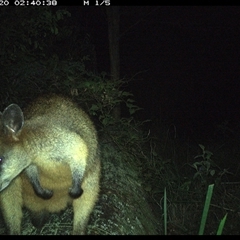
(13, 158)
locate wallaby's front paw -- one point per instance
(75, 192)
(44, 193)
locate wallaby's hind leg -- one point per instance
(38, 219)
(83, 206)
(11, 204)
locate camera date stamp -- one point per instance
(28, 3)
(51, 3)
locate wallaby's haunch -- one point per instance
(48, 159)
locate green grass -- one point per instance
(206, 209)
(204, 214)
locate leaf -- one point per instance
(198, 156)
(148, 188)
(55, 30)
(221, 225)
(196, 174)
(201, 146)
(212, 172)
(59, 15)
(206, 209)
(94, 107)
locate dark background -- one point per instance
(184, 59)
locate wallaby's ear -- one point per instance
(12, 119)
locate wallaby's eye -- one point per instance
(1, 159)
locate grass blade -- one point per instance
(206, 208)
(165, 211)
(221, 225)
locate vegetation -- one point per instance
(187, 171)
(34, 60)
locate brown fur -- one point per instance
(57, 137)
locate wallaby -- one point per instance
(49, 158)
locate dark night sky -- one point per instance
(187, 58)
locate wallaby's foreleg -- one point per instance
(76, 190)
(32, 173)
(77, 176)
(11, 204)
